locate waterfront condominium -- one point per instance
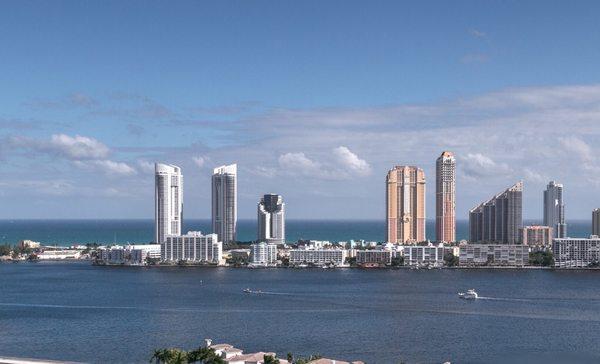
(271, 219)
(405, 205)
(554, 209)
(224, 202)
(499, 219)
(168, 201)
(596, 222)
(445, 197)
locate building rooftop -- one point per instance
(253, 357)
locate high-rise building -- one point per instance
(554, 209)
(271, 219)
(445, 197)
(224, 202)
(405, 204)
(168, 201)
(499, 219)
(596, 222)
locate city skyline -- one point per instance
(81, 127)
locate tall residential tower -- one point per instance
(445, 197)
(168, 201)
(499, 219)
(224, 202)
(405, 205)
(554, 209)
(596, 222)
(271, 219)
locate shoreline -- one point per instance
(207, 266)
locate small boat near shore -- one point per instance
(469, 295)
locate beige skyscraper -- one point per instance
(445, 197)
(405, 205)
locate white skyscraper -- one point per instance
(168, 201)
(271, 219)
(554, 209)
(224, 202)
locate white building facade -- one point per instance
(263, 254)
(192, 247)
(168, 201)
(319, 257)
(576, 252)
(271, 219)
(224, 202)
(374, 257)
(516, 255)
(423, 255)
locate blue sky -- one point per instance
(315, 100)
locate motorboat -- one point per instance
(247, 290)
(469, 295)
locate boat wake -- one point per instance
(505, 299)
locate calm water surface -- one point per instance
(74, 311)
(142, 231)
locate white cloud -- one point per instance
(298, 163)
(577, 146)
(145, 166)
(477, 33)
(199, 161)
(350, 161)
(77, 147)
(107, 166)
(477, 165)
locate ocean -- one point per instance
(76, 311)
(67, 232)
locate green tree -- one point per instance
(541, 258)
(204, 355)
(269, 359)
(451, 260)
(397, 261)
(169, 356)
(5, 250)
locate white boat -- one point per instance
(469, 295)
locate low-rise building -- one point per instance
(139, 253)
(373, 257)
(24, 244)
(423, 255)
(192, 247)
(263, 254)
(537, 236)
(132, 254)
(576, 252)
(516, 255)
(319, 257)
(58, 254)
(238, 253)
